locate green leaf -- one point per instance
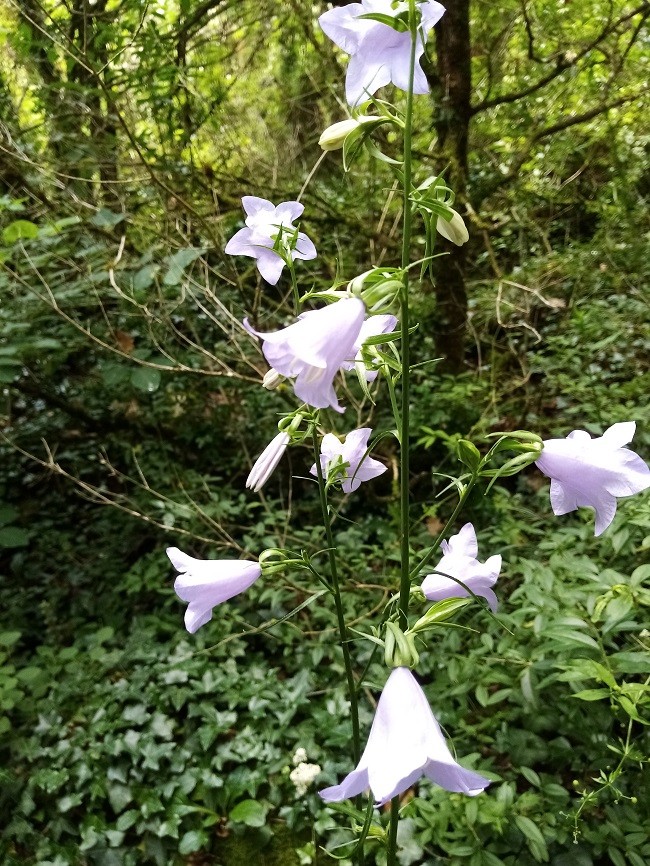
(7, 514)
(592, 694)
(252, 813)
(19, 230)
(107, 219)
(9, 638)
(178, 262)
(13, 536)
(146, 379)
(530, 830)
(192, 841)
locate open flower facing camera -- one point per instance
(270, 236)
(348, 461)
(459, 561)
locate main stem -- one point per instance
(338, 603)
(404, 431)
(404, 428)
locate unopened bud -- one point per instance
(272, 379)
(454, 229)
(333, 138)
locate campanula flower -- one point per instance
(268, 226)
(459, 560)
(267, 461)
(379, 53)
(405, 743)
(205, 583)
(314, 348)
(351, 455)
(593, 472)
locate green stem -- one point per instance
(405, 582)
(338, 603)
(294, 284)
(404, 431)
(391, 859)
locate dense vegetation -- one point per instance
(131, 412)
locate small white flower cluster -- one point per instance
(303, 773)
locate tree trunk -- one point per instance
(451, 84)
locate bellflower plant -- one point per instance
(270, 236)
(405, 743)
(205, 583)
(313, 349)
(459, 560)
(351, 457)
(379, 53)
(592, 473)
(386, 42)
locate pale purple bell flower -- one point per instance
(352, 454)
(267, 461)
(405, 743)
(460, 561)
(314, 348)
(592, 473)
(205, 583)
(379, 54)
(372, 327)
(264, 222)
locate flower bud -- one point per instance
(267, 461)
(333, 138)
(454, 229)
(272, 379)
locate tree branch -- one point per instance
(562, 63)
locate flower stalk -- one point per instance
(338, 603)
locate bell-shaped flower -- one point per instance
(205, 583)
(405, 743)
(269, 229)
(314, 348)
(351, 457)
(454, 229)
(379, 53)
(593, 472)
(459, 560)
(267, 461)
(372, 327)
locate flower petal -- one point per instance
(270, 265)
(343, 27)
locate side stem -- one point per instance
(338, 603)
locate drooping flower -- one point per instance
(379, 53)
(350, 454)
(593, 472)
(459, 560)
(454, 229)
(314, 348)
(405, 743)
(268, 226)
(205, 583)
(267, 461)
(373, 326)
